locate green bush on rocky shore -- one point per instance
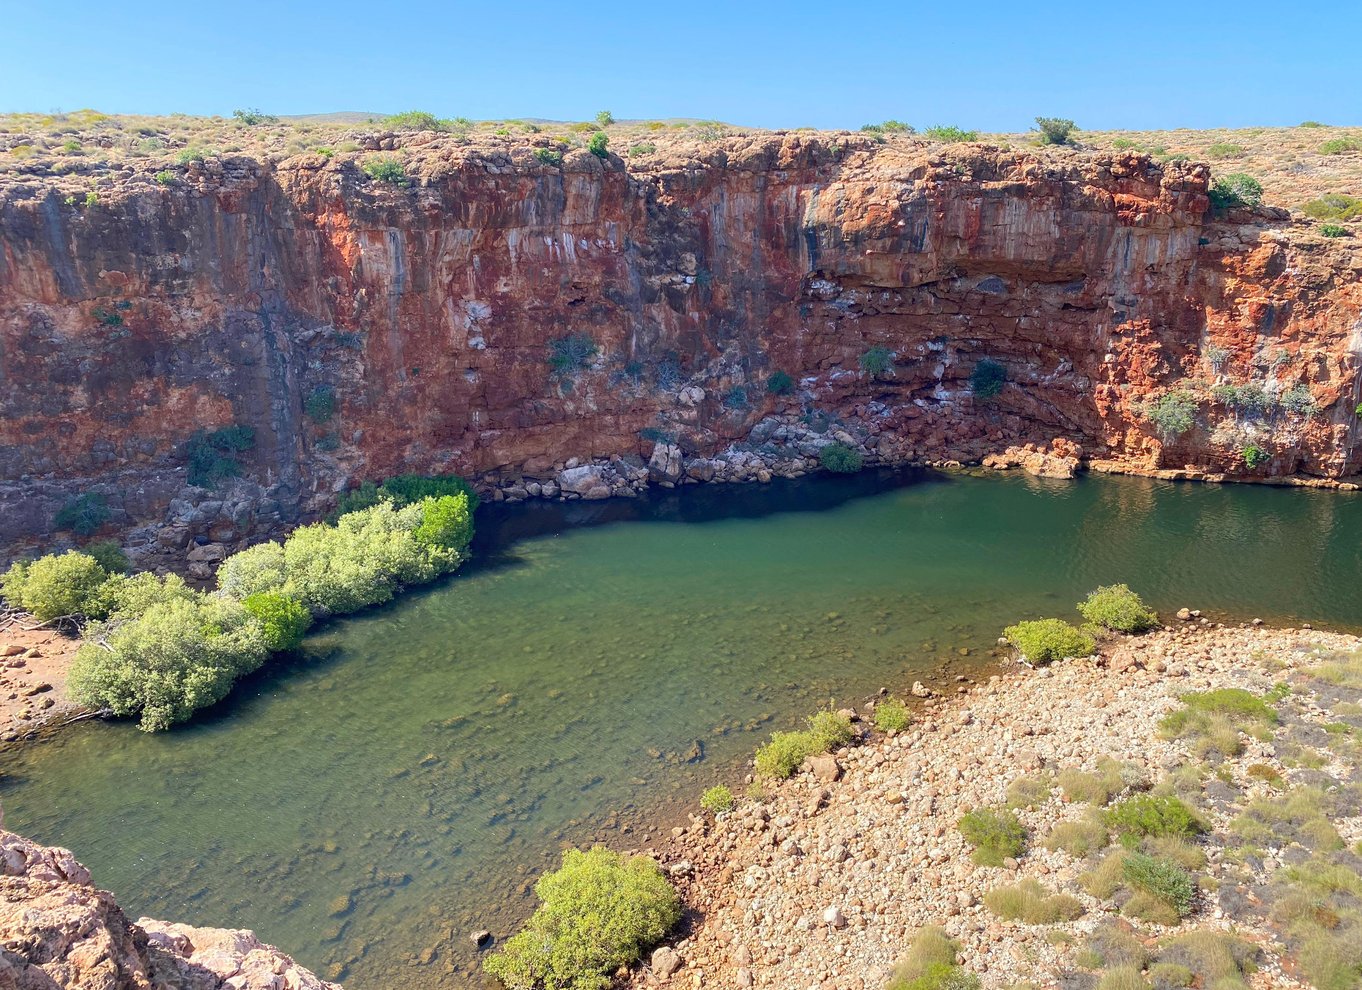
(787, 751)
(598, 912)
(157, 647)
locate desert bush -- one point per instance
(251, 117)
(283, 620)
(1031, 903)
(598, 912)
(1043, 641)
(929, 964)
(1116, 607)
(1078, 838)
(830, 729)
(83, 515)
(1122, 978)
(549, 156)
(784, 754)
(891, 715)
(1298, 399)
(1254, 455)
(604, 118)
(1151, 815)
(717, 799)
(1112, 944)
(949, 133)
(413, 120)
(1161, 879)
(1223, 149)
(1172, 414)
(987, 379)
(995, 833)
(1334, 206)
(1215, 959)
(840, 459)
(1340, 146)
(1236, 189)
(1028, 792)
(1055, 130)
(180, 656)
(386, 169)
(56, 586)
(597, 145)
(1249, 398)
(642, 148)
(877, 361)
(1333, 230)
(780, 383)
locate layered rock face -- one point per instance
(56, 930)
(499, 314)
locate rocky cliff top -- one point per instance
(58, 930)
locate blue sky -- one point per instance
(991, 66)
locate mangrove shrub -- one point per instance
(181, 655)
(283, 620)
(599, 912)
(56, 585)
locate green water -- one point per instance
(394, 788)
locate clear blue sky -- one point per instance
(988, 65)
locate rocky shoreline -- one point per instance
(58, 930)
(821, 883)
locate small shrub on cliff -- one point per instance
(84, 514)
(987, 379)
(892, 715)
(570, 355)
(780, 383)
(56, 586)
(165, 177)
(251, 117)
(1254, 455)
(389, 170)
(877, 361)
(642, 148)
(320, 405)
(180, 656)
(929, 964)
(1223, 149)
(1118, 608)
(1055, 130)
(840, 459)
(283, 620)
(1333, 230)
(597, 145)
(598, 912)
(1043, 641)
(1160, 879)
(548, 156)
(995, 833)
(1236, 189)
(1172, 414)
(717, 799)
(949, 133)
(215, 456)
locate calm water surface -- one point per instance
(397, 785)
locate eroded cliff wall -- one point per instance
(234, 291)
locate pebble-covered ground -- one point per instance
(822, 883)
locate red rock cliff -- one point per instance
(239, 290)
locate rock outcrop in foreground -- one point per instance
(57, 930)
(499, 312)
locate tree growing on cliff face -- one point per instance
(1237, 189)
(1172, 414)
(1055, 130)
(987, 379)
